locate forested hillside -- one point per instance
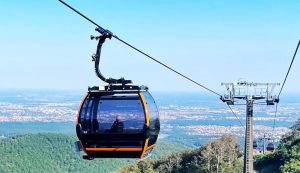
(48, 152)
(55, 153)
(286, 158)
(221, 155)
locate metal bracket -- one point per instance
(96, 58)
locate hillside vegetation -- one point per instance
(286, 158)
(49, 152)
(221, 155)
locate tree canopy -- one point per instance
(286, 158)
(48, 152)
(221, 155)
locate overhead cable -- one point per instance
(286, 76)
(104, 31)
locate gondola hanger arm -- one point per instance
(102, 31)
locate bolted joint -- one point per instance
(94, 37)
(94, 56)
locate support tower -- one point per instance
(249, 92)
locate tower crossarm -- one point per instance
(244, 90)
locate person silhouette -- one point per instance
(118, 125)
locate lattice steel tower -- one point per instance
(249, 92)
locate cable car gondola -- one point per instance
(270, 147)
(117, 121)
(254, 144)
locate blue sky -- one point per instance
(44, 45)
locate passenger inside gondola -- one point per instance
(118, 125)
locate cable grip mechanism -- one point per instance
(96, 57)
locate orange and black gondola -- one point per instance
(118, 121)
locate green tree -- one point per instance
(49, 152)
(286, 158)
(221, 155)
(292, 165)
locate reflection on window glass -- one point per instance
(154, 118)
(147, 152)
(130, 112)
(86, 112)
(122, 113)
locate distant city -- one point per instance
(183, 115)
